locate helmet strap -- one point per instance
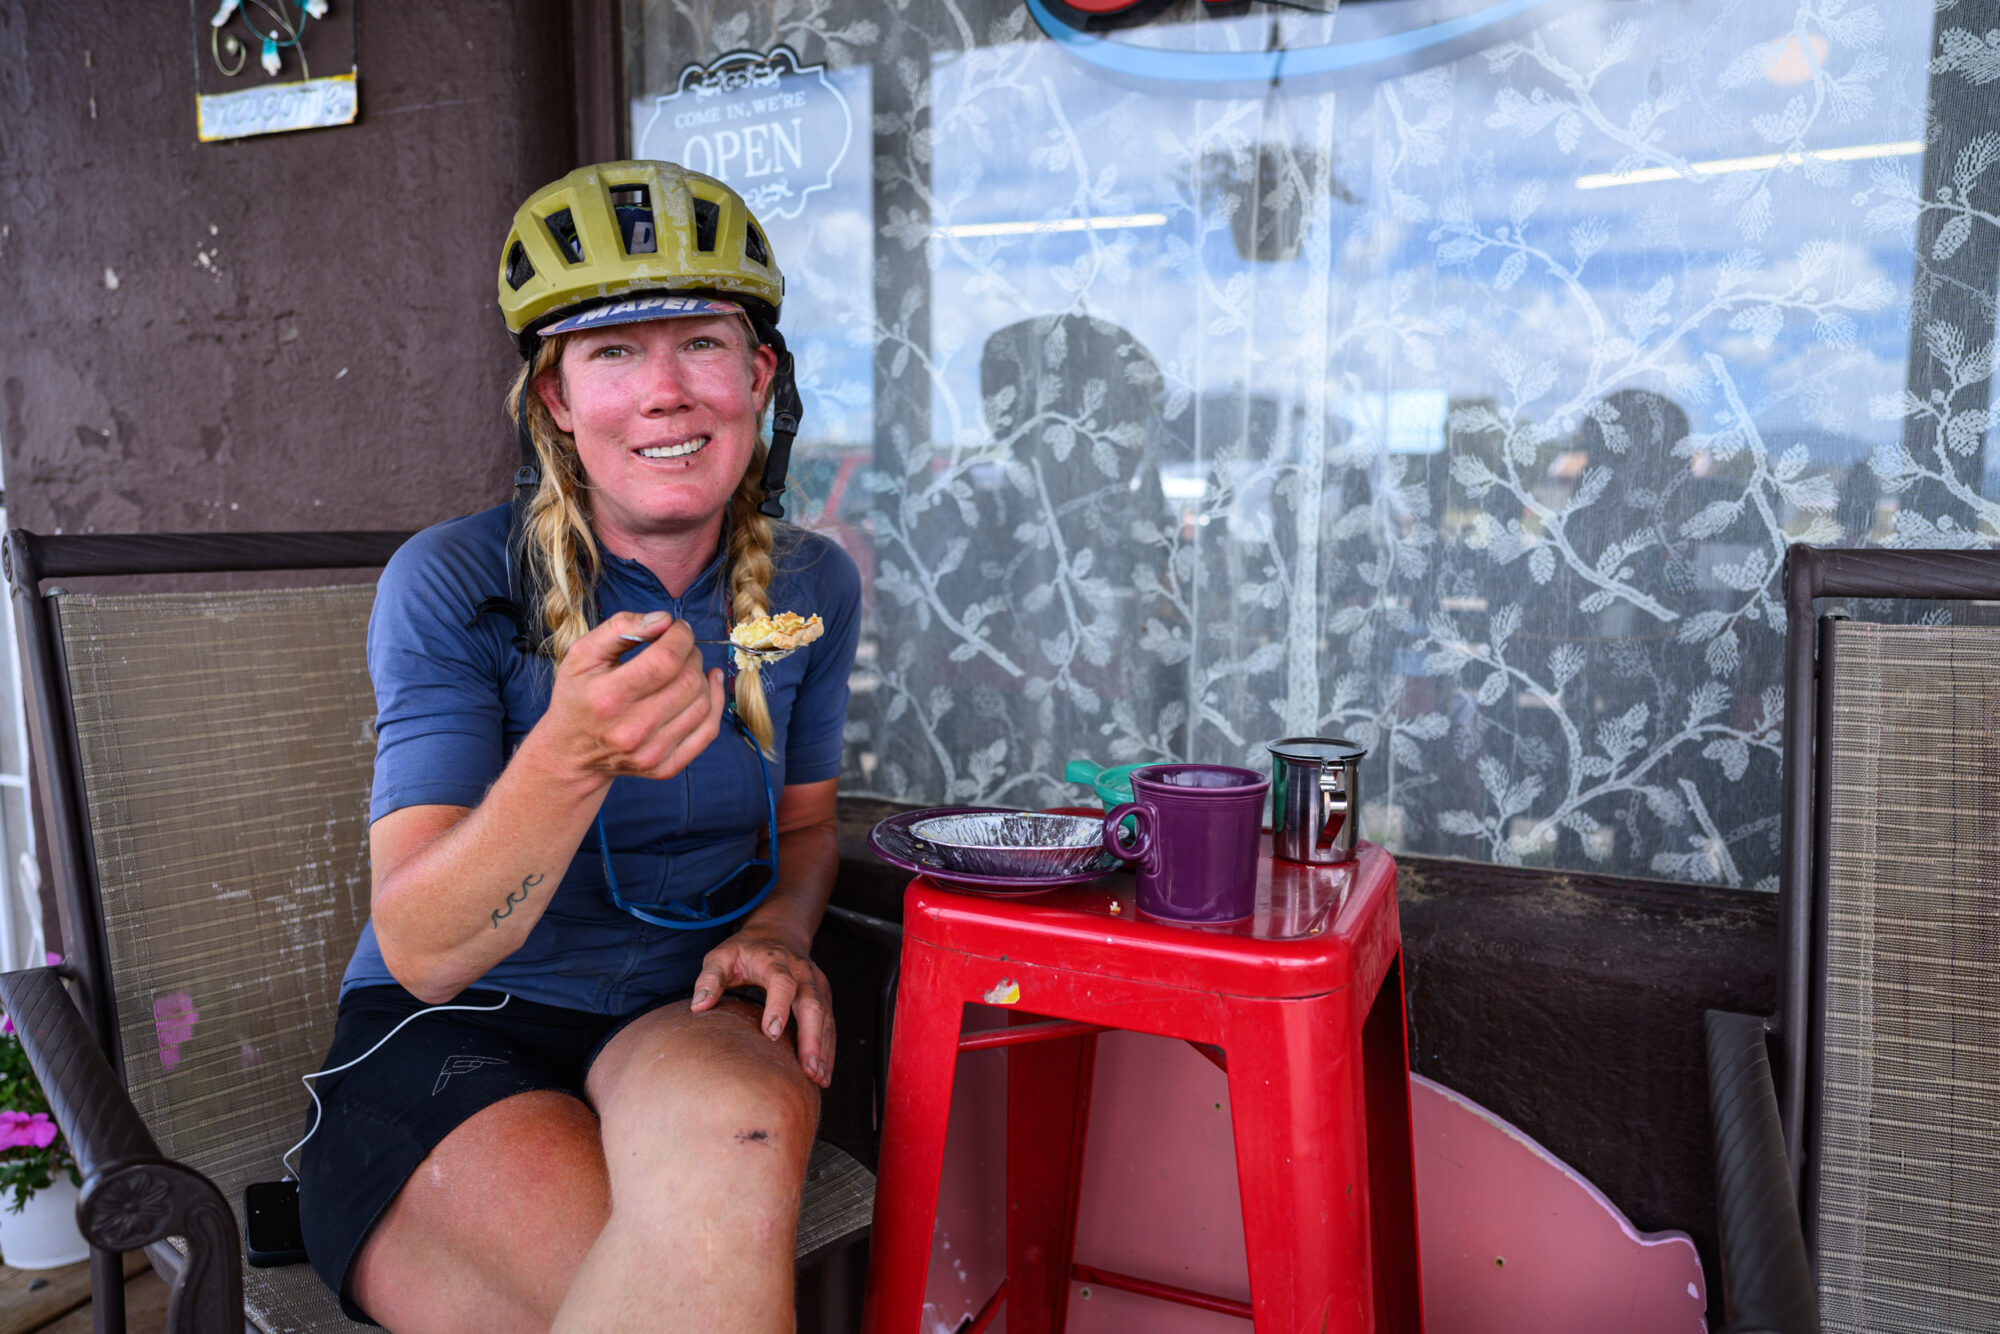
(527, 480)
(785, 413)
(529, 473)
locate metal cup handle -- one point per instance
(1332, 803)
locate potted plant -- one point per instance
(38, 1176)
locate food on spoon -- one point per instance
(772, 638)
(786, 630)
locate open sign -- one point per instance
(774, 130)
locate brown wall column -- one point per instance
(291, 332)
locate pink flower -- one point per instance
(174, 1017)
(22, 1130)
(51, 958)
(6, 1024)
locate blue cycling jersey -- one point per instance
(453, 700)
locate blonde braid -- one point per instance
(750, 569)
(562, 553)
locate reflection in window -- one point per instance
(1457, 398)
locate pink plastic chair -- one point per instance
(1159, 1198)
(1515, 1241)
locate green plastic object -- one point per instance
(1113, 786)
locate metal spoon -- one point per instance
(765, 654)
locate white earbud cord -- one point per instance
(291, 1173)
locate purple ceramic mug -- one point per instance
(1199, 833)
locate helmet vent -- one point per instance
(753, 246)
(634, 206)
(519, 270)
(563, 228)
(707, 214)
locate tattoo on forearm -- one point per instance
(513, 899)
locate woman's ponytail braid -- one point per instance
(750, 570)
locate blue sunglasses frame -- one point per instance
(677, 915)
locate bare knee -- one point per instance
(744, 1158)
(705, 1117)
(491, 1227)
(774, 1110)
(538, 1153)
(732, 1151)
(754, 1118)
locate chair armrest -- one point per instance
(132, 1196)
(1767, 1284)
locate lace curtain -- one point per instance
(1455, 397)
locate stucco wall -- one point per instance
(292, 332)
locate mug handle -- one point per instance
(1142, 820)
(1333, 810)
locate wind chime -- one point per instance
(284, 31)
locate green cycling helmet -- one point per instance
(617, 229)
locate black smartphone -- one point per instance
(271, 1218)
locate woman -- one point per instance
(572, 824)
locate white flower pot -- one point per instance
(44, 1234)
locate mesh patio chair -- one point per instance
(1859, 1189)
(204, 762)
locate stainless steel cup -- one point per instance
(1315, 798)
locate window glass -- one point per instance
(1445, 375)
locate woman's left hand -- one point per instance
(793, 985)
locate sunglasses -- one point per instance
(723, 901)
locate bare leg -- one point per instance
(707, 1125)
(487, 1235)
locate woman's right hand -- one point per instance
(648, 715)
(457, 889)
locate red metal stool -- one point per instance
(1303, 1007)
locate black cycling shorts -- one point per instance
(381, 1119)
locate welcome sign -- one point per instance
(773, 129)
